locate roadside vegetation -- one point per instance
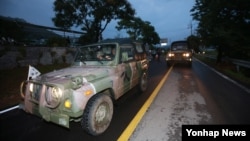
(222, 25)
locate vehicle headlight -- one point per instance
(56, 92)
(186, 54)
(31, 86)
(171, 54)
(34, 90)
(53, 96)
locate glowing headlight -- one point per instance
(31, 86)
(56, 93)
(186, 54)
(53, 96)
(170, 54)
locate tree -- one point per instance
(139, 30)
(194, 42)
(225, 24)
(92, 16)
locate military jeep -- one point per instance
(180, 52)
(85, 91)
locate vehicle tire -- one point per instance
(143, 82)
(97, 114)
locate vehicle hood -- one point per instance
(87, 73)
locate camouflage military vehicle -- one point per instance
(85, 91)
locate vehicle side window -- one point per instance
(127, 53)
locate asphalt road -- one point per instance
(226, 103)
(227, 99)
(194, 96)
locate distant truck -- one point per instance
(85, 91)
(180, 52)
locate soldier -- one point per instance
(112, 55)
(99, 55)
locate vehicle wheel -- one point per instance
(97, 114)
(143, 84)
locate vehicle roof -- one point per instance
(119, 41)
(181, 41)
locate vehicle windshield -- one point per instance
(100, 52)
(179, 46)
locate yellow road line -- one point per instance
(133, 124)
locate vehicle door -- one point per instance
(128, 63)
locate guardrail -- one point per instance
(240, 63)
(237, 62)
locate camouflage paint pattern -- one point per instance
(78, 84)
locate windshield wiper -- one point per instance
(83, 62)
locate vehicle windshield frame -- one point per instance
(179, 46)
(91, 52)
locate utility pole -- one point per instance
(191, 28)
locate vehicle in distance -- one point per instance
(85, 91)
(179, 52)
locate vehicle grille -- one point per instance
(178, 56)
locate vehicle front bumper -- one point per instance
(179, 60)
(47, 114)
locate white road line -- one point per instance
(9, 109)
(225, 77)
